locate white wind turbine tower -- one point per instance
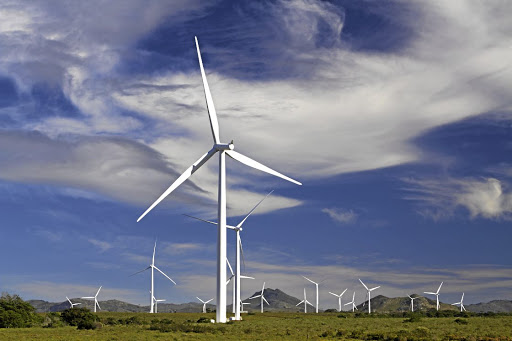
(95, 299)
(262, 297)
(305, 301)
(316, 284)
(368, 293)
(223, 149)
(412, 301)
(152, 266)
(239, 252)
(437, 295)
(353, 302)
(339, 298)
(461, 303)
(204, 303)
(72, 304)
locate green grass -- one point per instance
(274, 326)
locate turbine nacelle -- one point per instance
(224, 146)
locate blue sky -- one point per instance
(395, 115)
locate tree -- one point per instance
(16, 313)
(78, 317)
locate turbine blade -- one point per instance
(98, 291)
(180, 180)
(333, 294)
(138, 272)
(211, 299)
(248, 214)
(69, 300)
(439, 288)
(264, 299)
(98, 305)
(309, 280)
(214, 124)
(363, 284)
(409, 297)
(200, 299)
(246, 277)
(431, 293)
(309, 303)
(374, 288)
(300, 303)
(230, 268)
(206, 221)
(254, 164)
(254, 297)
(343, 292)
(86, 297)
(169, 278)
(348, 303)
(154, 251)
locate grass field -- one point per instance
(273, 326)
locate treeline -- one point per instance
(408, 314)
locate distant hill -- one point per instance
(383, 304)
(279, 301)
(117, 306)
(496, 306)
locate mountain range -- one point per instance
(278, 301)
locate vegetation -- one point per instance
(267, 326)
(16, 313)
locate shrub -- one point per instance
(203, 320)
(76, 316)
(52, 320)
(461, 321)
(16, 313)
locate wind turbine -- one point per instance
(305, 301)
(315, 283)
(72, 304)
(339, 298)
(223, 149)
(262, 297)
(156, 304)
(461, 304)
(437, 294)
(412, 301)
(239, 251)
(368, 293)
(353, 302)
(95, 299)
(152, 266)
(204, 303)
(234, 305)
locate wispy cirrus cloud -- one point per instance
(340, 215)
(481, 197)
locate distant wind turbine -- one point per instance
(95, 299)
(437, 295)
(305, 301)
(72, 304)
(368, 293)
(239, 252)
(204, 303)
(339, 298)
(223, 149)
(156, 304)
(353, 302)
(261, 296)
(233, 276)
(152, 266)
(316, 284)
(461, 303)
(412, 301)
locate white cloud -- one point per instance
(341, 215)
(102, 245)
(484, 197)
